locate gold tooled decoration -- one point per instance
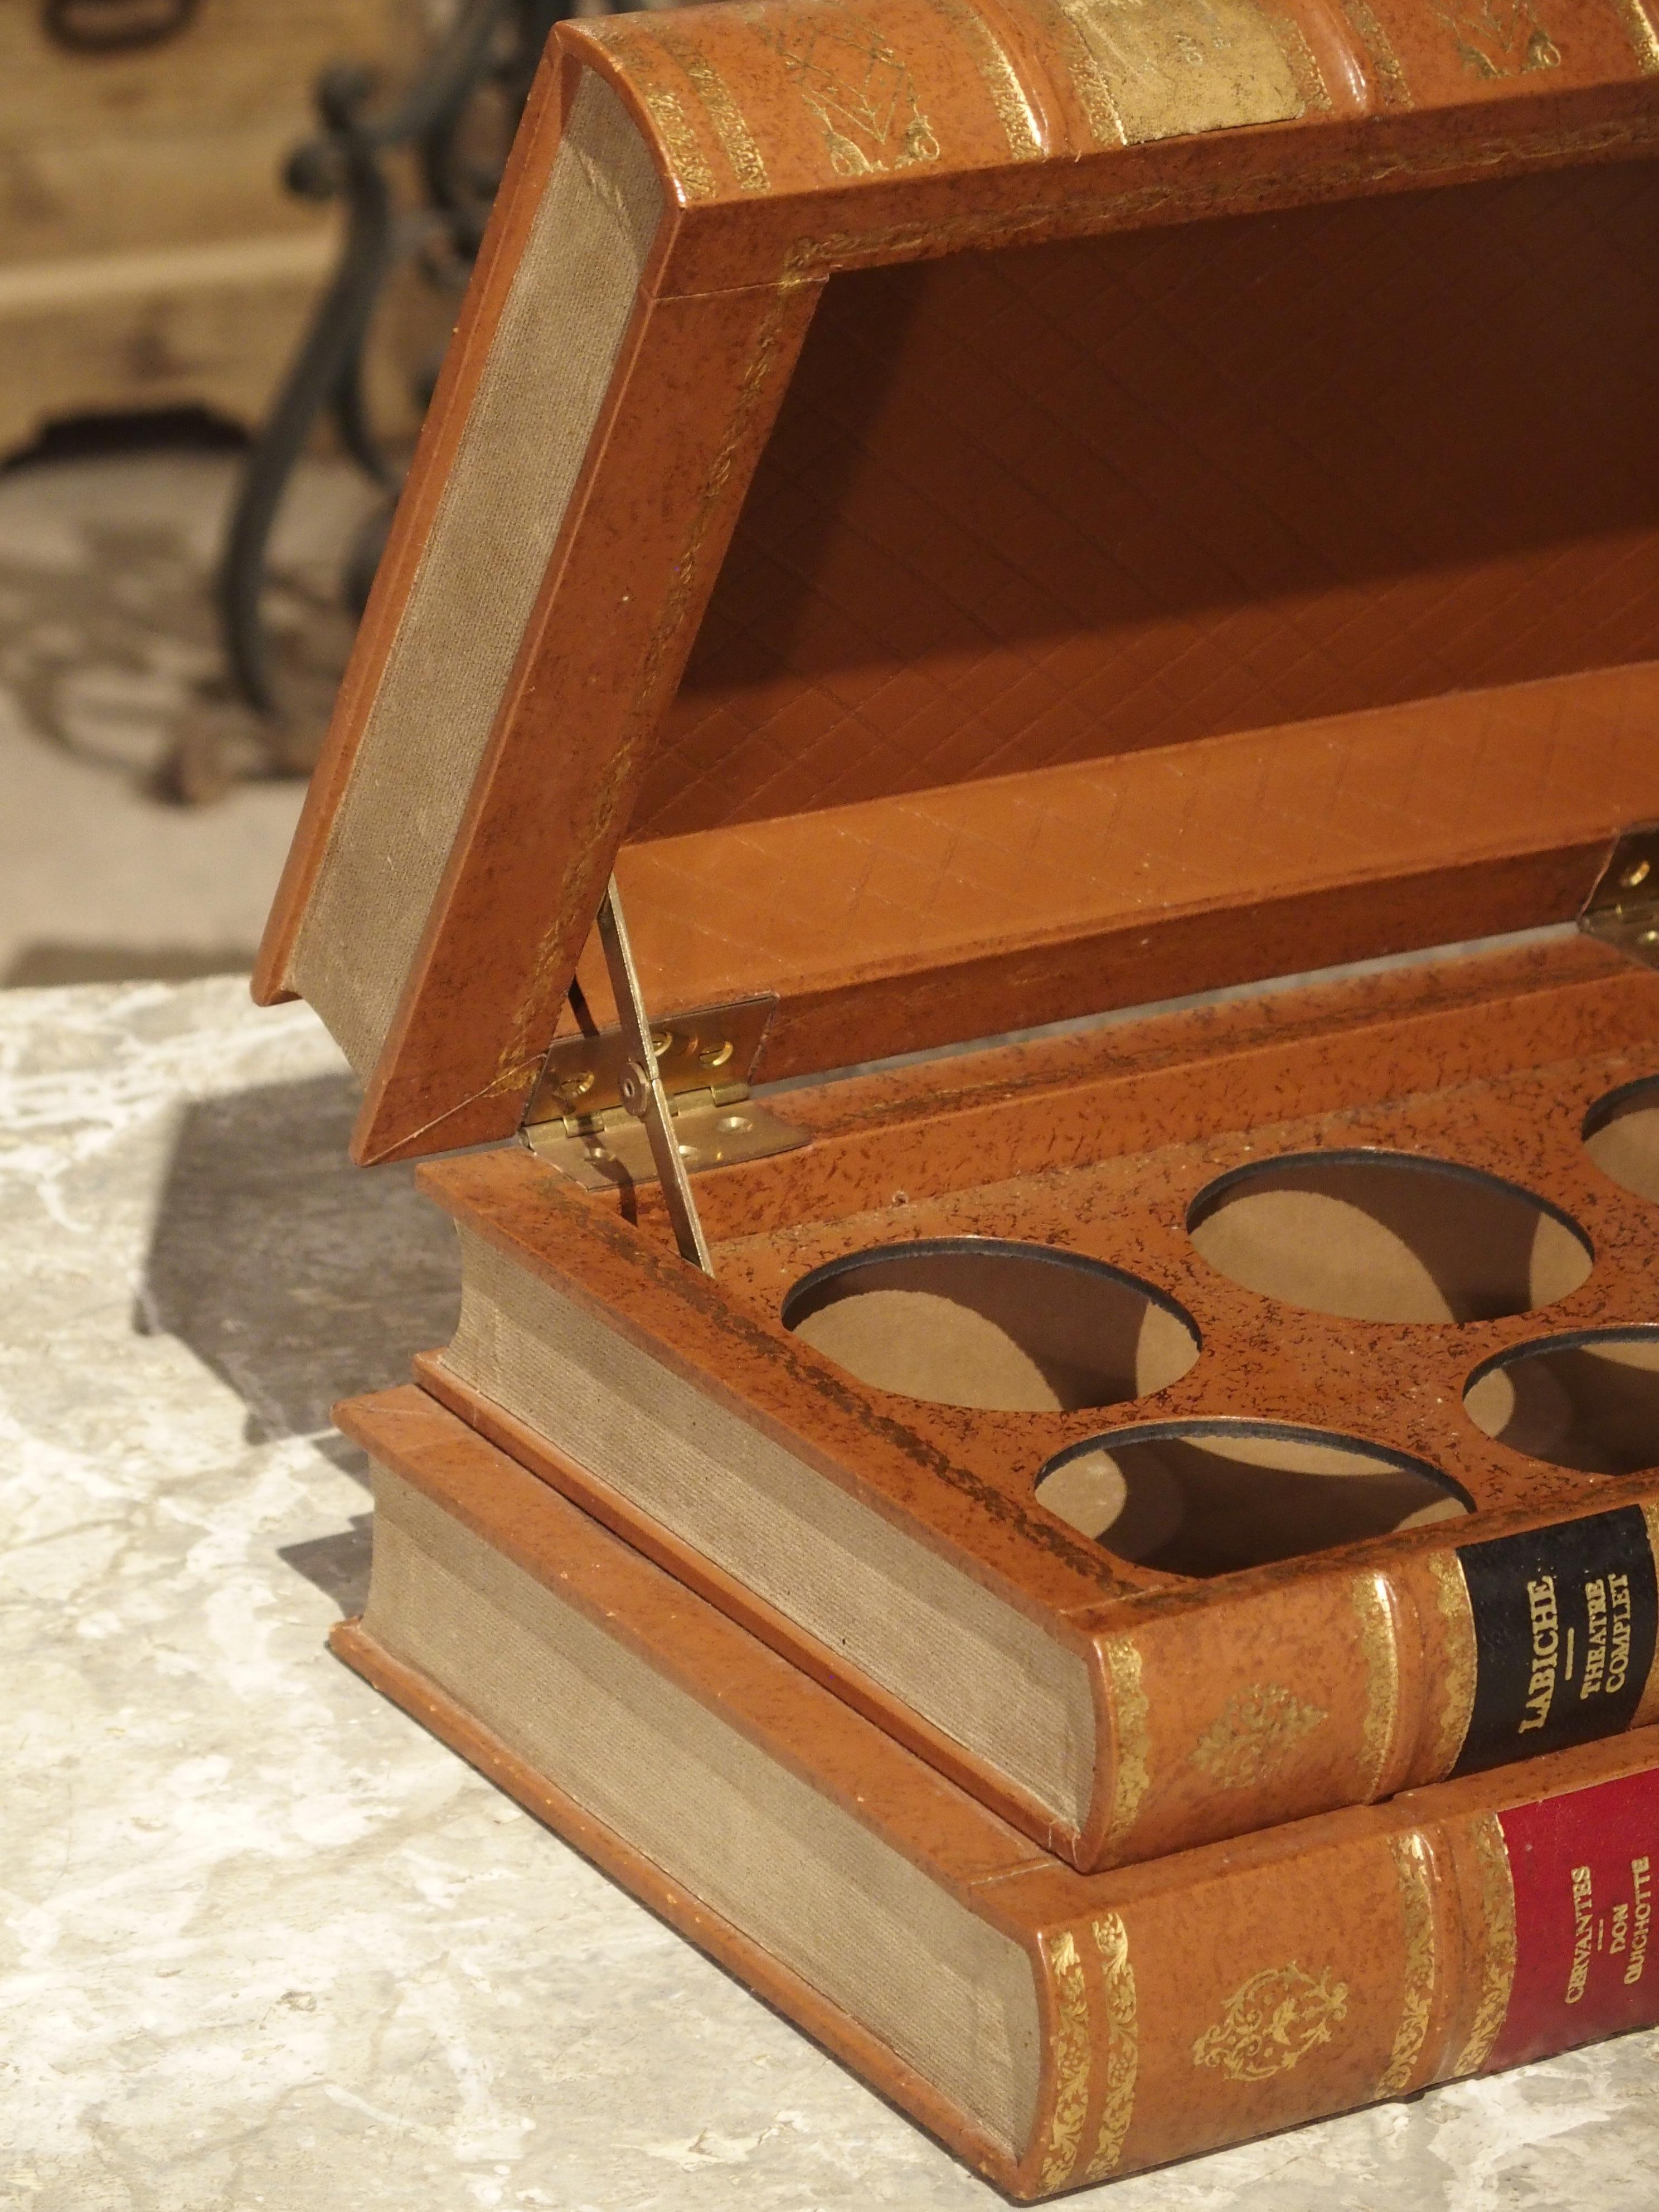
(1254, 1733)
(1458, 1667)
(1178, 69)
(860, 89)
(1072, 2063)
(1391, 77)
(1498, 38)
(1647, 1708)
(1122, 2044)
(1375, 1613)
(737, 140)
(1642, 35)
(1304, 63)
(1272, 2021)
(1131, 1778)
(999, 77)
(690, 167)
(1415, 1868)
(1497, 1941)
(1092, 213)
(1088, 80)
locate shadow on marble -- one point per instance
(295, 1277)
(51, 963)
(338, 1564)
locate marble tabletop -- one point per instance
(267, 1944)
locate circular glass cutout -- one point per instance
(971, 1320)
(1376, 1235)
(1589, 1400)
(1621, 1135)
(1211, 1497)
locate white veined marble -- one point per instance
(266, 1943)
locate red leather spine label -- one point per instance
(1584, 1867)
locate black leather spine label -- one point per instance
(1564, 1624)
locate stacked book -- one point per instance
(1109, 1574)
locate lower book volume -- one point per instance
(1054, 2028)
(1581, 1875)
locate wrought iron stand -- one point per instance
(455, 122)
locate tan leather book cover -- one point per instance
(1125, 1642)
(1052, 2028)
(986, 509)
(982, 512)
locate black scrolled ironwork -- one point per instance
(493, 46)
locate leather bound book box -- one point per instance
(949, 520)
(1052, 2028)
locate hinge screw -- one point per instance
(634, 1089)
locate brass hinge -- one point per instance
(1623, 910)
(658, 1097)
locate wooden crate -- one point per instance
(149, 255)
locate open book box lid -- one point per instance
(984, 511)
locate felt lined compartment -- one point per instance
(978, 1321)
(1384, 1236)
(1588, 1401)
(1203, 1499)
(1497, 1209)
(1621, 1135)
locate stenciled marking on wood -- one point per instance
(642, 54)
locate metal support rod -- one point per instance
(642, 1091)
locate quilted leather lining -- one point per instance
(1029, 508)
(894, 885)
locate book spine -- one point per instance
(780, 99)
(1219, 1707)
(1179, 2006)
(1326, 1687)
(1282, 1992)
(1231, 1998)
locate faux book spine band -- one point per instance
(1196, 2001)
(1221, 1715)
